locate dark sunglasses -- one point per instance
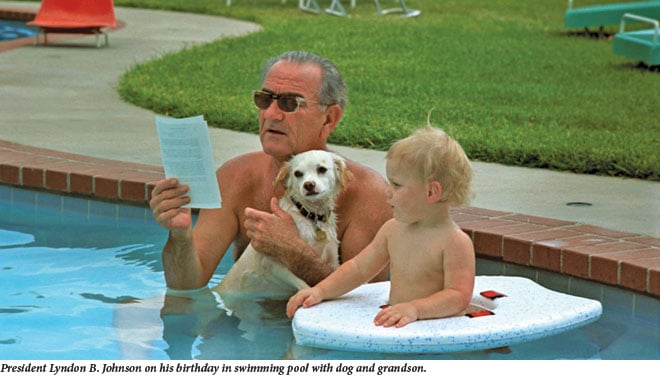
(287, 103)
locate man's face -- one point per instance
(285, 134)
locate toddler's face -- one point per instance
(407, 194)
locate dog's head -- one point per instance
(314, 175)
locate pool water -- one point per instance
(83, 280)
(14, 29)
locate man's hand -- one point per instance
(274, 234)
(167, 200)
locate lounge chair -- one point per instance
(75, 16)
(401, 9)
(313, 7)
(229, 2)
(641, 45)
(335, 7)
(607, 14)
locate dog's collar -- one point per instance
(308, 214)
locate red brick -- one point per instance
(518, 229)
(152, 177)
(648, 240)
(461, 218)
(604, 269)
(635, 275)
(547, 235)
(546, 257)
(601, 231)
(106, 187)
(575, 263)
(538, 220)
(32, 177)
(81, 184)
(654, 282)
(150, 189)
(617, 246)
(637, 272)
(485, 224)
(483, 212)
(132, 191)
(9, 174)
(488, 244)
(583, 241)
(517, 251)
(56, 180)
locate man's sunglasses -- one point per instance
(287, 103)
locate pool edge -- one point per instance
(626, 260)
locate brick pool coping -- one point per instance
(622, 259)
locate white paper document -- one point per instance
(185, 147)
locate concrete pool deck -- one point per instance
(64, 128)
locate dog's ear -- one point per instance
(344, 176)
(283, 174)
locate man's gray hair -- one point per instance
(333, 90)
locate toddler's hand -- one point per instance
(398, 315)
(304, 298)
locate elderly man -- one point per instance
(301, 101)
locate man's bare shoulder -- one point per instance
(366, 194)
(247, 178)
(365, 176)
(245, 168)
(243, 161)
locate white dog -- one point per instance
(312, 181)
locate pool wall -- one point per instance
(16, 14)
(626, 260)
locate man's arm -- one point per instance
(190, 258)
(191, 255)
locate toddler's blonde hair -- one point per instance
(433, 155)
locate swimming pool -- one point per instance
(13, 29)
(83, 280)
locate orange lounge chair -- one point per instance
(75, 16)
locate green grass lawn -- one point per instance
(502, 76)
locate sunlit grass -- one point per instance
(502, 76)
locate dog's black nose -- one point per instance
(309, 185)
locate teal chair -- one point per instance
(641, 45)
(607, 14)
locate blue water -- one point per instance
(83, 279)
(13, 29)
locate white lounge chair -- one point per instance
(335, 8)
(401, 9)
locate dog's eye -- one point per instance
(298, 174)
(322, 169)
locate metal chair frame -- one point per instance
(337, 9)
